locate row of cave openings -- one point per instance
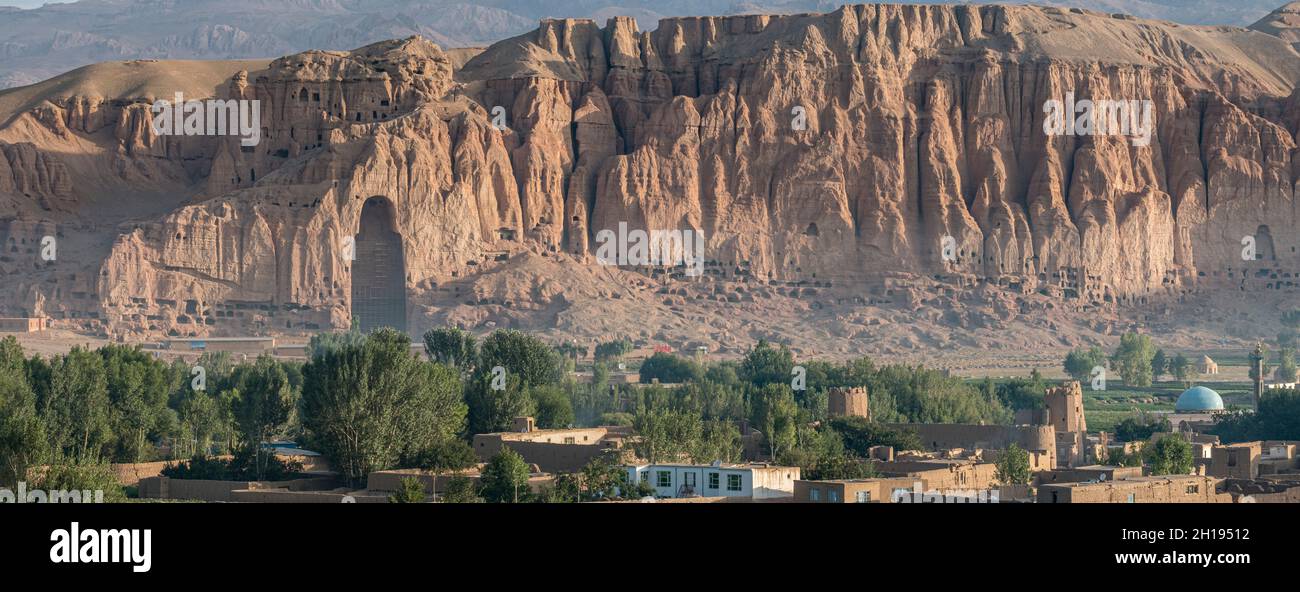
(379, 267)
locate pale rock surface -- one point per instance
(922, 122)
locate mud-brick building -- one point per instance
(848, 402)
(552, 450)
(1139, 490)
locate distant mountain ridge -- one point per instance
(40, 43)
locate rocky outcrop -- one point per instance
(857, 156)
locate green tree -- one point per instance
(76, 408)
(552, 405)
(921, 395)
(1133, 359)
(1290, 335)
(667, 368)
(367, 405)
(321, 343)
(1182, 369)
(571, 352)
(12, 358)
(1140, 427)
(521, 355)
(765, 365)
(203, 419)
(262, 407)
(138, 386)
(1286, 367)
(601, 477)
(505, 478)
(776, 415)
(23, 443)
(199, 466)
(1080, 362)
(452, 346)
(564, 490)
(1278, 419)
(860, 436)
(492, 410)
(1159, 365)
(1019, 393)
(1012, 467)
(665, 435)
(80, 474)
(719, 440)
(409, 491)
(613, 350)
(442, 455)
(460, 490)
(1116, 457)
(1170, 455)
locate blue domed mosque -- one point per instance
(1198, 399)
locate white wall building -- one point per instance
(755, 481)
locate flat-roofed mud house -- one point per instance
(553, 450)
(1165, 489)
(1039, 440)
(850, 491)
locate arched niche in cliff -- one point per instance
(379, 269)
(1264, 244)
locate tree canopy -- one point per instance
(366, 405)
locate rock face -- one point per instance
(1283, 22)
(878, 155)
(42, 42)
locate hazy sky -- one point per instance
(23, 3)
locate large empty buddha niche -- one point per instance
(1264, 244)
(379, 270)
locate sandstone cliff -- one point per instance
(825, 158)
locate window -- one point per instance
(815, 494)
(1131, 498)
(733, 482)
(1193, 489)
(569, 440)
(864, 497)
(645, 476)
(833, 496)
(713, 480)
(663, 479)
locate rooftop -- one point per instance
(713, 466)
(1133, 481)
(1198, 398)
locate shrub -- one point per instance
(411, 491)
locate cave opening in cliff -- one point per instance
(1264, 241)
(379, 269)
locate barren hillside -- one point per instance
(827, 159)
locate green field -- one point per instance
(1104, 409)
